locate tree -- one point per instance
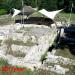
(60, 4)
(41, 4)
(48, 4)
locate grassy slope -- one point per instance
(66, 16)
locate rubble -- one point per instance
(59, 59)
(43, 37)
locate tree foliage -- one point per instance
(46, 4)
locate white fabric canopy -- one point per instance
(51, 14)
(16, 12)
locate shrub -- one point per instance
(3, 11)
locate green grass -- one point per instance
(18, 31)
(6, 20)
(36, 14)
(10, 41)
(16, 53)
(66, 16)
(25, 72)
(43, 56)
(0, 42)
(4, 63)
(28, 43)
(65, 53)
(3, 11)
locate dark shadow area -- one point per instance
(36, 20)
(51, 48)
(72, 48)
(70, 44)
(68, 39)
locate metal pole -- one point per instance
(36, 4)
(23, 12)
(70, 14)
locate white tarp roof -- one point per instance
(51, 14)
(16, 12)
